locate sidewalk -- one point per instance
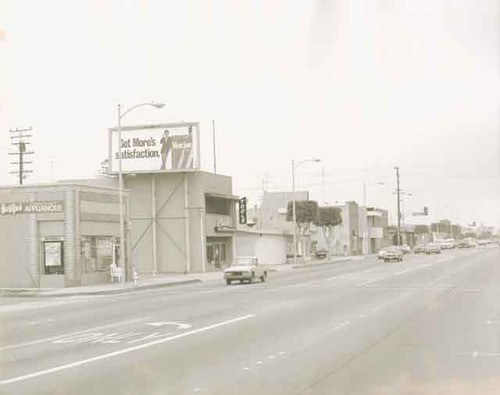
(148, 281)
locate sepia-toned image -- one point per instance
(272, 197)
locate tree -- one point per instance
(328, 219)
(306, 213)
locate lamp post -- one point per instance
(120, 175)
(294, 166)
(365, 231)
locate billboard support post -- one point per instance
(153, 224)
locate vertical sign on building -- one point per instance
(243, 210)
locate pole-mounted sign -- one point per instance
(242, 210)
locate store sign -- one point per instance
(155, 148)
(14, 208)
(242, 211)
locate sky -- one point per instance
(365, 86)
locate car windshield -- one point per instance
(245, 261)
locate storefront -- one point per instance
(58, 235)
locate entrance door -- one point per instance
(217, 255)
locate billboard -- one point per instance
(155, 148)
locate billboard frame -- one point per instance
(196, 164)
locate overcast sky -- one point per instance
(363, 85)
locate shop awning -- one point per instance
(222, 196)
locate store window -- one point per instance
(216, 205)
(97, 253)
(53, 257)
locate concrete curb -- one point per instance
(129, 289)
(315, 264)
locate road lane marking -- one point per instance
(403, 271)
(52, 338)
(151, 336)
(179, 325)
(121, 352)
(370, 281)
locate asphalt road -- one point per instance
(429, 325)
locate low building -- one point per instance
(181, 222)
(271, 217)
(68, 233)
(348, 236)
(58, 235)
(376, 221)
(270, 247)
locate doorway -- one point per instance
(217, 255)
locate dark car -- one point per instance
(321, 254)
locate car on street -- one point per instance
(245, 269)
(432, 248)
(448, 244)
(382, 252)
(392, 254)
(419, 249)
(465, 244)
(321, 253)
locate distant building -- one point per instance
(347, 237)
(376, 220)
(269, 220)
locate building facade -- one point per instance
(181, 222)
(58, 235)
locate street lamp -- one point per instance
(294, 166)
(120, 174)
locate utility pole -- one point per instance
(398, 190)
(19, 139)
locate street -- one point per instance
(427, 325)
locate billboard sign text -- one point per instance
(155, 148)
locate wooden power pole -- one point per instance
(19, 139)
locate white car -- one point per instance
(246, 268)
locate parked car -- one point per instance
(465, 244)
(448, 244)
(382, 253)
(393, 254)
(432, 248)
(419, 249)
(321, 253)
(245, 268)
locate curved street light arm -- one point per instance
(152, 104)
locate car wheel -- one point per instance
(228, 282)
(263, 277)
